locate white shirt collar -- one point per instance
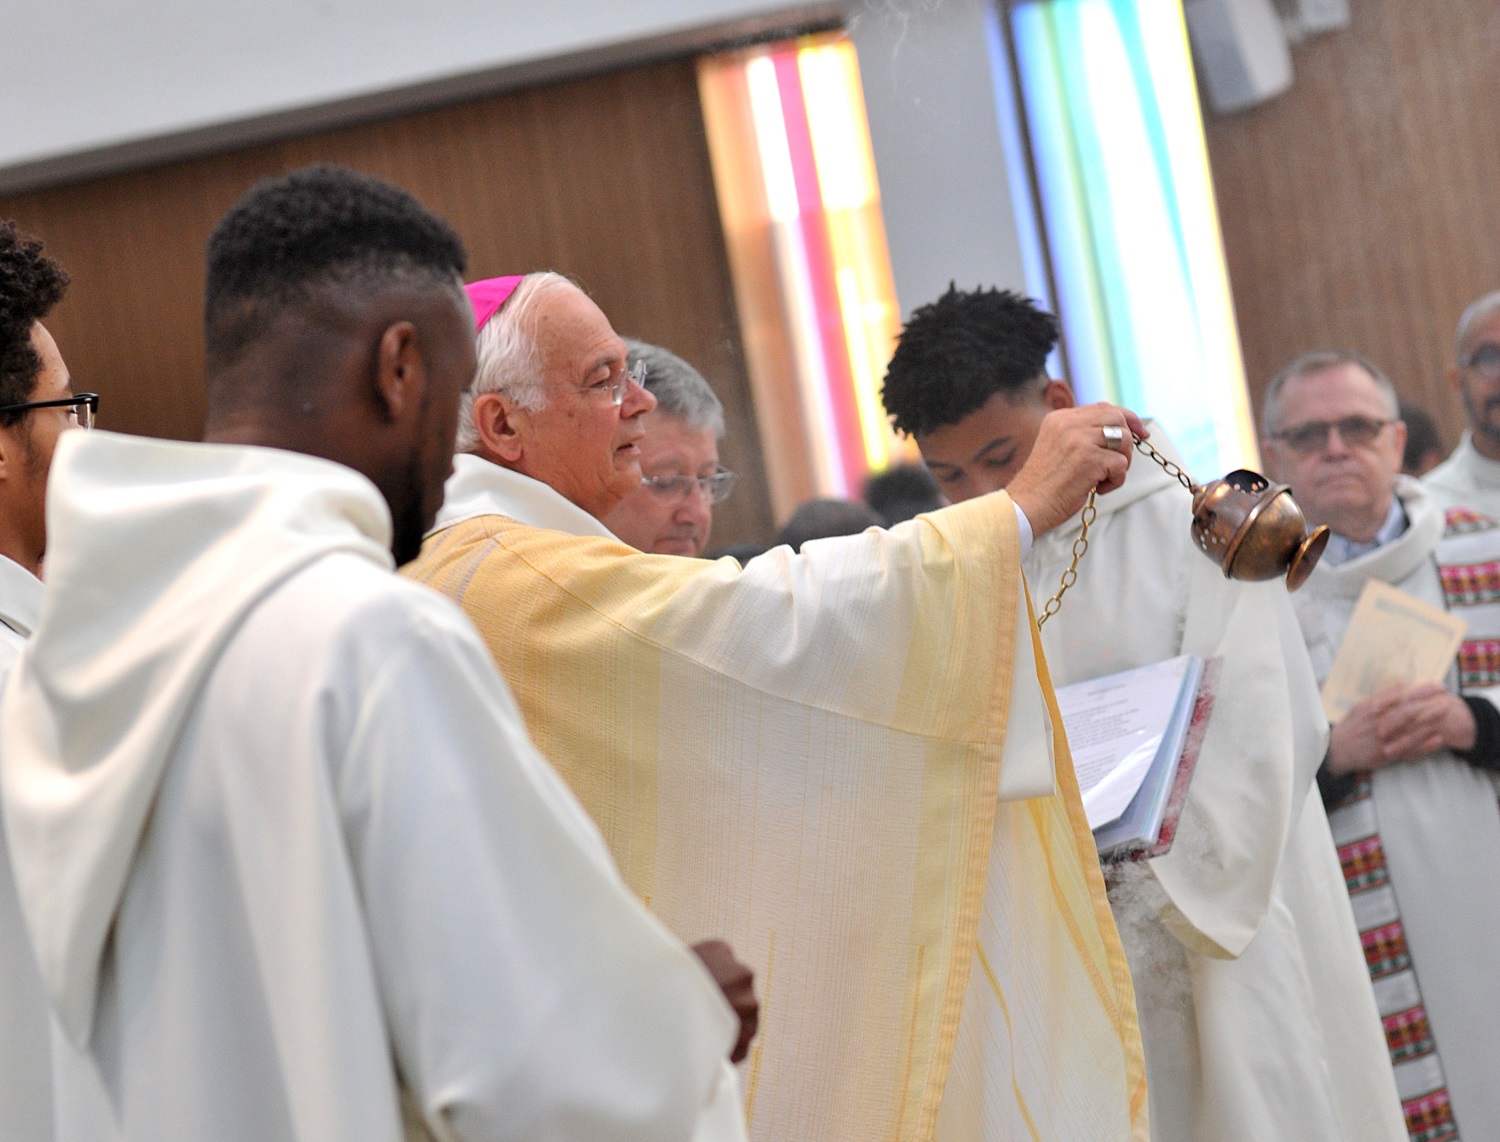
(20, 597)
(1341, 549)
(479, 488)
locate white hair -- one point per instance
(1476, 312)
(509, 361)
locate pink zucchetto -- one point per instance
(489, 295)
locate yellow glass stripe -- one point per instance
(845, 162)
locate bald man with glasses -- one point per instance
(1470, 477)
(1409, 777)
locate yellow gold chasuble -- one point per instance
(805, 758)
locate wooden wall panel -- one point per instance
(1359, 209)
(605, 179)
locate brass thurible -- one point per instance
(1254, 530)
(1250, 527)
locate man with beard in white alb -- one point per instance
(1470, 477)
(292, 869)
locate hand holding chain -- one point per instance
(1250, 527)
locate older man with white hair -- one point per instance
(847, 759)
(1470, 477)
(1409, 774)
(671, 513)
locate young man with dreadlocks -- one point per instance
(1255, 1011)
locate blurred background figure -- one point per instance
(902, 492)
(1424, 444)
(821, 519)
(1408, 776)
(1470, 478)
(671, 513)
(742, 552)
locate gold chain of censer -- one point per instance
(1090, 512)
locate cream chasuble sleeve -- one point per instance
(806, 758)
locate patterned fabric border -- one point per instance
(1469, 583)
(1479, 663)
(1472, 584)
(1461, 521)
(1408, 1034)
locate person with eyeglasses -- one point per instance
(842, 760)
(671, 513)
(555, 417)
(1409, 775)
(36, 406)
(1470, 476)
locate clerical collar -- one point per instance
(479, 488)
(1341, 549)
(20, 597)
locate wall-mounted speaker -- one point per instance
(1241, 51)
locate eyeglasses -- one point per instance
(616, 384)
(1485, 361)
(81, 408)
(715, 488)
(1355, 431)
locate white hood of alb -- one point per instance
(156, 551)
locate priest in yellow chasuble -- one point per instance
(847, 762)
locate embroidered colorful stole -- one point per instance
(1414, 1057)
(1469, 585)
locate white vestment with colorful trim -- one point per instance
(1466, 479)
(1420, 841)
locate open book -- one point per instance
(1134, 738)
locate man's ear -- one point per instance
(501, 428)
(1455, 379)
(10, 449)
(400, 372)
(1058, 394)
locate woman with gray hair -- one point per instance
(671, 513)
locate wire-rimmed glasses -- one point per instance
(715, 488)
(616, 384)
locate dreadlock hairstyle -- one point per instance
(30, 285)
(324, 226)
(961, 350)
